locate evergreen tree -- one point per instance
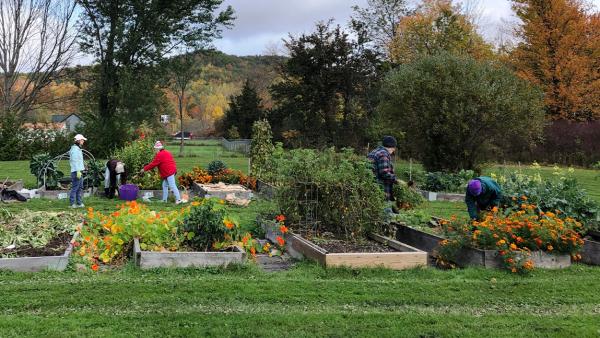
(244, 110)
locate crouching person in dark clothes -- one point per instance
(483, 193)
(114, 175)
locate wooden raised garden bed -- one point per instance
(265, 189)
(59, 194)
(442, 196)
(472, 256)
(39, 263)
(151, 259)
(402, 256)
(222, 191)
(591, 249)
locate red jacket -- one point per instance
(165, 163)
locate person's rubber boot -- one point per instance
(106, 192)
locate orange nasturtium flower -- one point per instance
(280, 240)
(95, 267)
(283, 229)
(280, 218)
(228, 224)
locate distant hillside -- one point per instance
(219, 77)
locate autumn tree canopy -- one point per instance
(437, 26)
(559, 50)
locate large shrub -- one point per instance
(457, 112)
(328, 191)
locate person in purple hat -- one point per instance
(483, 193)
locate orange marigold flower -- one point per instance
(283, 229)
(550, 247)
(280, 218)
(513, 246)
(95, 267)
(280, 241)
(514, 270)
(253, 251)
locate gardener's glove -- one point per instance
(79, 174)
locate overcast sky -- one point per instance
(261, 23)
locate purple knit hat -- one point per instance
(474, 187)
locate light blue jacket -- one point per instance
(76, 158)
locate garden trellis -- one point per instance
(50, 169)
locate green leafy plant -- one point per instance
(94, 175)
(45, 169)
(448, 182)
(204, 225)
(208, 227)
(261, 149)
(406, 197)
(215, 167)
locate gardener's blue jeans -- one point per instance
(169, 182)
(76, 194)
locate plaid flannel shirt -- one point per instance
(383, 169)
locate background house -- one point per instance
(71, 121)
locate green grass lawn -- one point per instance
(200, 153)
(306, 301)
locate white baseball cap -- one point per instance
(80, 137)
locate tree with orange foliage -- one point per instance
(437, 26)
(559, 51)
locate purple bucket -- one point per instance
(128, 192)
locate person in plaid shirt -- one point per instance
(383, 167)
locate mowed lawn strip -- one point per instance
(306, 301)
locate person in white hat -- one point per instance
(77, 167)
(167, 168)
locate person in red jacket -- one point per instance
(167, 168)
